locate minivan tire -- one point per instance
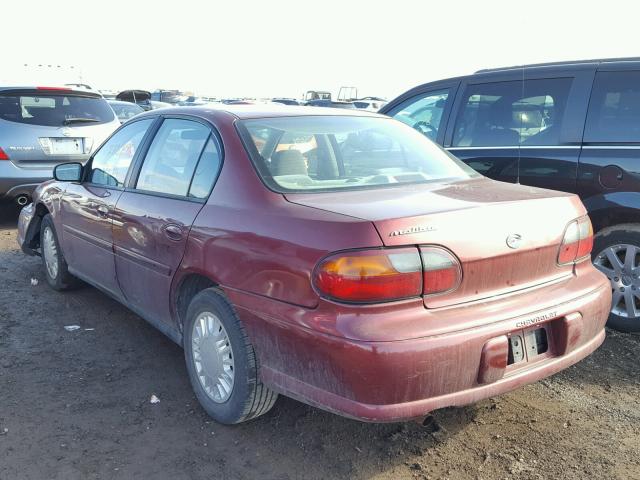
(248, 398)
(57, 273)
(617, 237)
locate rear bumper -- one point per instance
(386, 381)
(15, 181)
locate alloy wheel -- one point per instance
(620, 263)
(213, 357)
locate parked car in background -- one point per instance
(172, 97)
(192, 101)
(125, 110)
(569, 126)
(41, 127)
(316, 95)
(139, 97)
(369, 104)
(157, 105)
(330, 104)
(326, 255)
(285, 101)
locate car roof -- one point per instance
(50, 89)
(243, 112)
(562, 64)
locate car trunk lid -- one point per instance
(506, 236)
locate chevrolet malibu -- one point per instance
(336, 257)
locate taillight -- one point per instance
(383, 275)
(3, 156)
(441, 270)
(370, 275)
(577, 241)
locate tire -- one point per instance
(610, 249)
(247, 397)
(55, 267)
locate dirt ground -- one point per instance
(75, 405)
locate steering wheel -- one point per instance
(426, 129)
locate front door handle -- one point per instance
(103, 211)
(173, 232)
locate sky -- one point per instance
(246, 48)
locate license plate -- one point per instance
(67, 146)
(527, 344)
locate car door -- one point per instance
(522, 126)
(86, 207)
(154, 214)
(482, 132)
(426, 110)
(610, 160)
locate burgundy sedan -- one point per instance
(336, 257)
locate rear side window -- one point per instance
(54, 110)
(614, 109)
(512, 113)
(111, 163)
(423, 112)
(206, 171)
(173, 156)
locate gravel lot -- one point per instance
(75, 405)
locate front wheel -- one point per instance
(221, 362)
(617, 255)
(55, 266)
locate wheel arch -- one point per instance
(187, 286)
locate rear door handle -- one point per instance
(103, 210)
(173, 232)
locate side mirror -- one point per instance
(68, 172)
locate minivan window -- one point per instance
(54, 110)
(111, 163)
(614, 109)
(423, 112)
(318, 153)
(170, 163)
(512, 113)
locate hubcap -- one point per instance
(620, 263)
(50, 252)
(213, 357)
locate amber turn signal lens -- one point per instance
(371, 275)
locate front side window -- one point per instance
(317, 153)
(512, 113)
(172, 158)
(614, 109)
(423, 112)
(54, 110)
(111, 163)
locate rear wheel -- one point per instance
(617, 255)
(55, 266)
(221, 362)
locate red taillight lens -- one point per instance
(441, 270)
(370, 275)
(3, 156)
(577, 241)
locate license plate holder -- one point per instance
(67, 146)
(526, 345)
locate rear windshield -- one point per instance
(54, 110)
(328, 153)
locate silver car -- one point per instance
(41, 127)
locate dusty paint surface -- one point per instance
(76, 405)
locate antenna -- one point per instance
(520, 132)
